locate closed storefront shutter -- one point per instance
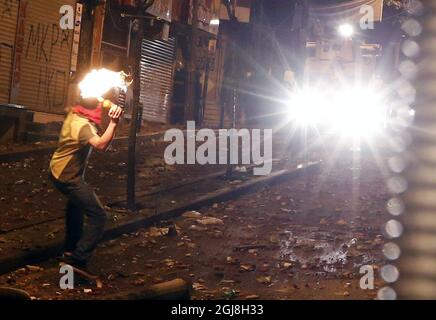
(157, 65)
(8, 24)
(43, 58)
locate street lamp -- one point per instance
(346, 30)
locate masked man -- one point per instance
(77, 139)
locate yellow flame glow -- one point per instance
(98, 82)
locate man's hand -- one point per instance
(115, 113)
(103, 142)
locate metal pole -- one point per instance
(192, 65)
(129, 40)
(131, 162)
(234, 84)
(205, 88)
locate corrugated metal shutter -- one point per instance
(46, 58)
(8, 25)
(157, 67)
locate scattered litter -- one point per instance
(341, 222)
(197, 228)
(139, 282)
(158, 232)
(34, 268)
(230, 294)
(192, 215)
(227, 282)
(247, 267)
(230, 260)
(264, 280)
(206, 221)
(198, 286)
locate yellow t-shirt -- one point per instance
(69, 160)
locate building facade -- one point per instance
(41, 63)
(35, 56)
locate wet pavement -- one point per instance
(306, 238)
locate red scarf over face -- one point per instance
(93, 115)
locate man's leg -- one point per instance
(84, 197)
(73, 226)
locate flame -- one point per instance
(98, 82)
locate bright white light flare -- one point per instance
(346, 30)
(351, 112)
(358, 112)
(307, 107)
(98, 82)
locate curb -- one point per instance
(54, 248)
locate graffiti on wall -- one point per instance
(43, 49)
(6, 14)
(42, 39)
(52, 87)
(19, 44)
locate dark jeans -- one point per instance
(82, 200)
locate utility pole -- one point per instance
(97, 34)
(233, 83)
(131, 162)
(192, 65)
(299, 38)
(85, 44)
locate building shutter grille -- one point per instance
(157, 67)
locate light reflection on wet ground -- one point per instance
(321, 254)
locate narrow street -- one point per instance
(217, 152)
(302, 239)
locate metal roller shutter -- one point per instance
(157, 67)
(45, 58)
(8, 25)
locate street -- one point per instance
(305, 238)
(207, 150)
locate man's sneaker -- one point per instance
(70, 260)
